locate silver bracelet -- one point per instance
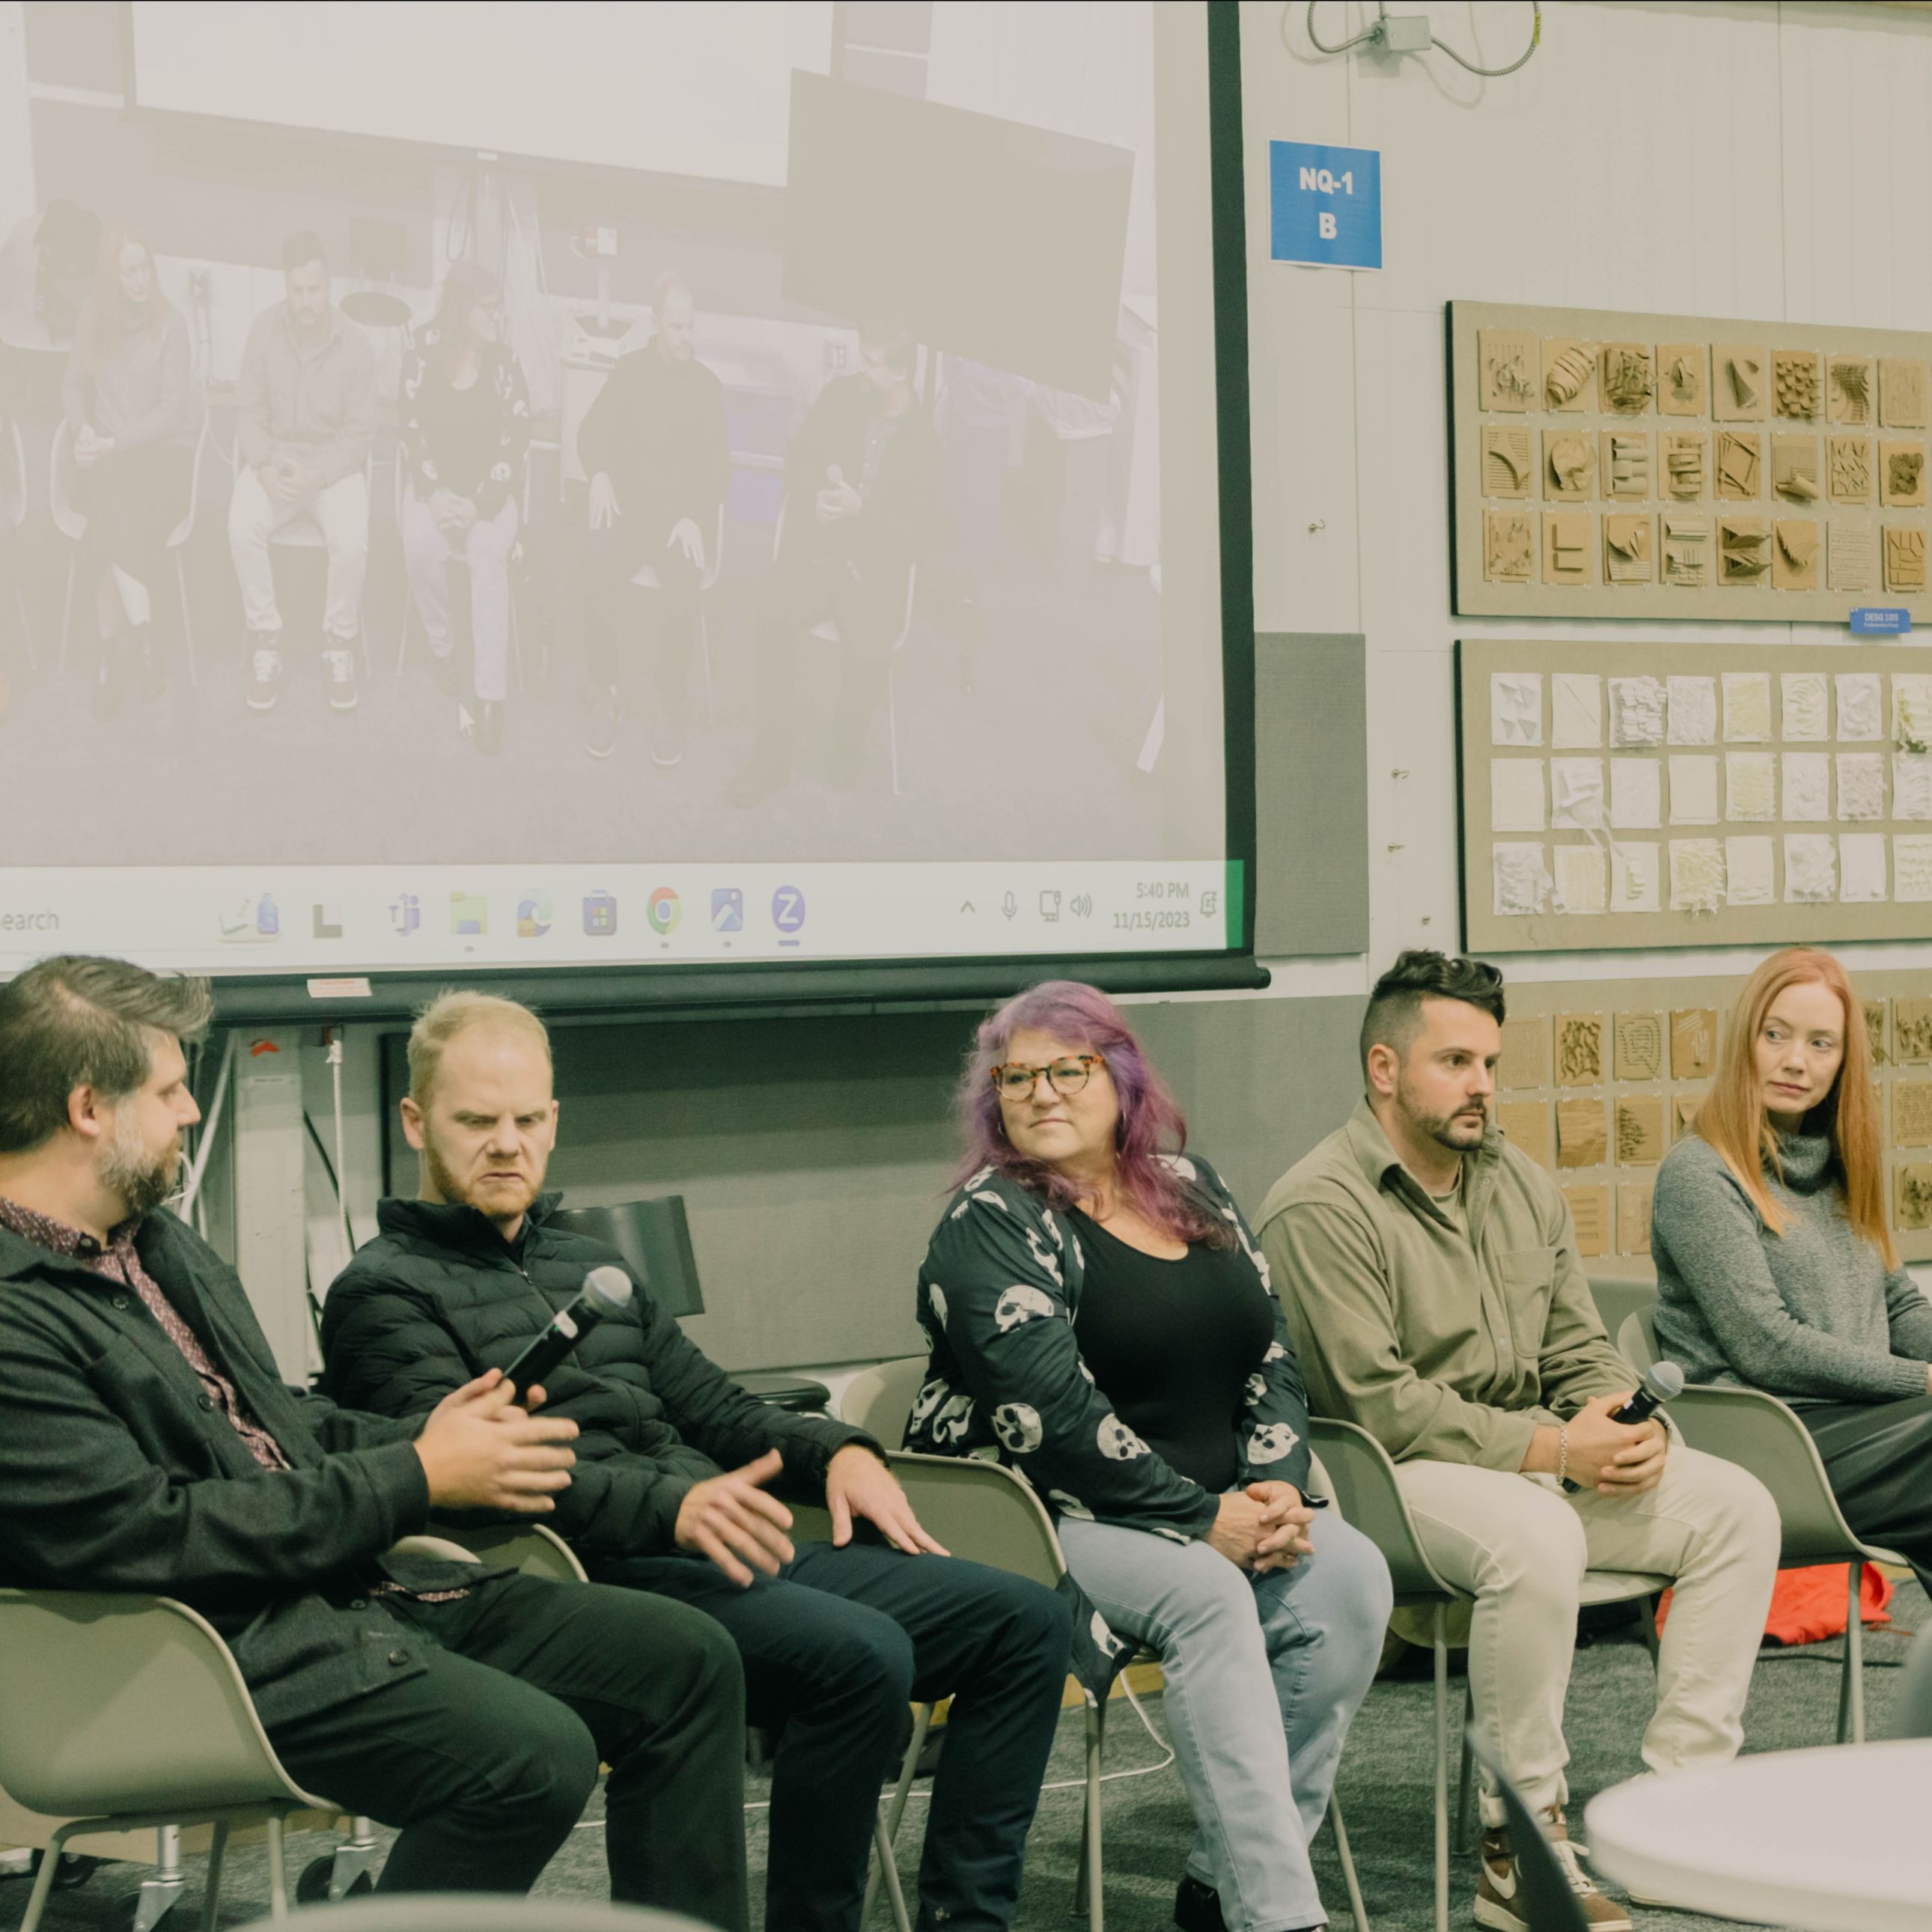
(1563, 1452)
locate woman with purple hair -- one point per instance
(1099, 1319)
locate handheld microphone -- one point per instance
(1663, 1383)
(606, 1290)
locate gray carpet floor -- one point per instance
(1385, 1789)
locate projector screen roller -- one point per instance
(838, 573)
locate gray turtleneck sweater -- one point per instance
(1811, 1315)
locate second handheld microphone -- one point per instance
(606, 1290)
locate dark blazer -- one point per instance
(118, 1472)
(439, 1296)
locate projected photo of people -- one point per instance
(456, 470)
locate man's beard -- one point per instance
(449, 1188)
(143, 1180)
(1453, 1131)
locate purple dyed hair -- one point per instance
(1151, 1122)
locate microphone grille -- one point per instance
(1666, 1381)
(609, 1286)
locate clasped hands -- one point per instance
(730, 1518)
(1262, 1527)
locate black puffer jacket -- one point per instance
(439, 1296)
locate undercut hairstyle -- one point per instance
(75, 1020)
(453, 1013)
(1394, 1016)
(299, 249)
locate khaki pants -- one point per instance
(1520, 1545)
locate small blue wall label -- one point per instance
(1325, 205)
(1879, 621)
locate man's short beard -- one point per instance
(142, 1179)
(1442, 1128)
(448, 1187)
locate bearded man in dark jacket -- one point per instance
(671, 1495)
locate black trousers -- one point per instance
(134, 499)
(486, 1760)
(611, 558)
(833, 1650)
(1879, 1457)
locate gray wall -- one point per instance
(813, 1153)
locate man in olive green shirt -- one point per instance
(1430, 1275)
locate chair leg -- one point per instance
(66, 616)
(1090, 1860)
(922, 1724)
(1348, 1878)
(211, 1900)
(1442, 1767)
(888, 1865)
(188, 622)
(43, 1879)
(1466, 1780)
(1852, 1689)
(26, 630)
(1646, 1610)
(278, 1874)
(164, 1885)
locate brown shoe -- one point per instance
(1499, 1887)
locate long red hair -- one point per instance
(103, 327)
(1733, 1120)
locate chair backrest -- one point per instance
(68, 521)
(1636, 1340)
(879, 1400)
(654, 1237)
(1912, 1707)
(1618, 1298)
(1545, 1896)
(532, 1547)
(1364, 1485)
(114, 1704)
(982, 1512)
(183, 530)
(471, 1912)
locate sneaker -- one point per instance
(664, 733)
(600, 738)
(1499, 1884)
(264, 672)
(106, 697)
(490, 729)
(339, 661)
(1197, 1907)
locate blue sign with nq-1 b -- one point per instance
(1325, 205)
(1881, 621)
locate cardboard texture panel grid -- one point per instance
(1613, 465)
(1622, 796)
(1600, 1078)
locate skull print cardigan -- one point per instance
(998, 1292)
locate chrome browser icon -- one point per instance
(664, 910)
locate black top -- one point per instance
(657, 429)
(1172, 1344)
(470, 442)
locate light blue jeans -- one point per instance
(1264, 1673)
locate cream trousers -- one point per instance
(1520, 1545)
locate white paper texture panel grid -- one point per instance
(1636, 712)
(1692, 710)
(1634, 877)
(1577, 793)
(1575, 710)
(1807, 784)
(1515, 707)
(1861, 868)
(1516, 795)
(1748, 872)
(1521, 882)
(1912, 867)
(1751, 785)
(1582, 879)
(1861, 705)
(1746, 707)
(1810, 868)
(1861, 785)
(1807, 706)
(1912, 712)
(1694, 791)
(1912, 784)
(1636, 794)
(1696, 874)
